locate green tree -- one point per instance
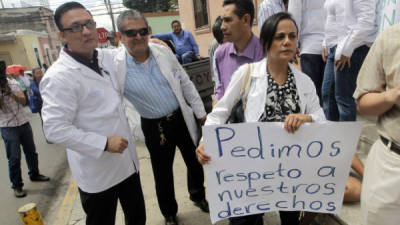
(146, 6)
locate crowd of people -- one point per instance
(313, 61)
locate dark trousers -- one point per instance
(101, 208)
(13, 137)
(256, 219)
(314, 67)
(162, 158)
(289, 217)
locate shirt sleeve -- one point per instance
(264, 11)
(365, 12)
(371, 77)
(163, 36)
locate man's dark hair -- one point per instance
(175, 21)
(285, 1)
(65, 8)
(269, 27)
(242, 7)
(216, 29)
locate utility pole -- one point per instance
(109, 10)
(2, 4)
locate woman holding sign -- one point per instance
(278, 92)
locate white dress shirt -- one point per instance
(268, 8)
(350, 24)
(360, 26)
(308, 15)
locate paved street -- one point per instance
(52, 163)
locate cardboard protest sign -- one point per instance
(260, 167)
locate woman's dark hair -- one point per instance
(268, 29)
(242, 7)
(216, 29)
(63, 9)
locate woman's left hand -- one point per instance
(294, 121)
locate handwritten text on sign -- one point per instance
(260, 167)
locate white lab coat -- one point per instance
(255, 106)
(80, 110)
(183, 88)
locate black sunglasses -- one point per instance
(134, 32)
(90, 24)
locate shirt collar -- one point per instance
(131, 59)
(249, 51)
(82, 59)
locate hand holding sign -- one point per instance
(201, 155)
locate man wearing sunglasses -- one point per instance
(160, 90)
(83, 111)
(185, 46)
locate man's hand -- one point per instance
(324, 53)
(116, 144)
(198, 57)
(294, 121)
(201, 155)
(202, 120)
(341, 63)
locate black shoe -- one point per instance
(203, 205)
(19, 192)
(39, 178)
(171, 220)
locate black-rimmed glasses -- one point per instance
(134, 32)
(79, 27)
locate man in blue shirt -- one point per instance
(185, 46)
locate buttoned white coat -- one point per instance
(80, 110)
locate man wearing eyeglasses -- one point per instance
(83, 111)
(168, 103)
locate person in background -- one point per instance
(297, 101)
(378, 94)
(215, 44)
(83, 111)
(165, 43)
(186, 47)
(308, 15)
(113, 39)
(242, 45)
(268, 8)
(35, 99)
(154, 82)
(16, 131)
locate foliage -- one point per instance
(146, 6)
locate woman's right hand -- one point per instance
(202, 157)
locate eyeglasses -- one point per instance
(79, 27)
(134, 32)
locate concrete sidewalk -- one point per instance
(188, 214)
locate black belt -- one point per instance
(393, 146)
(168, 117)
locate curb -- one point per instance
(64, 213)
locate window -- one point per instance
(200, 13)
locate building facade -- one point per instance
(37, 19)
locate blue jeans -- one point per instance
(13, 137)
(186, 57)
(314, 66)
(338, 86)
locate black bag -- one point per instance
(237, 111)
